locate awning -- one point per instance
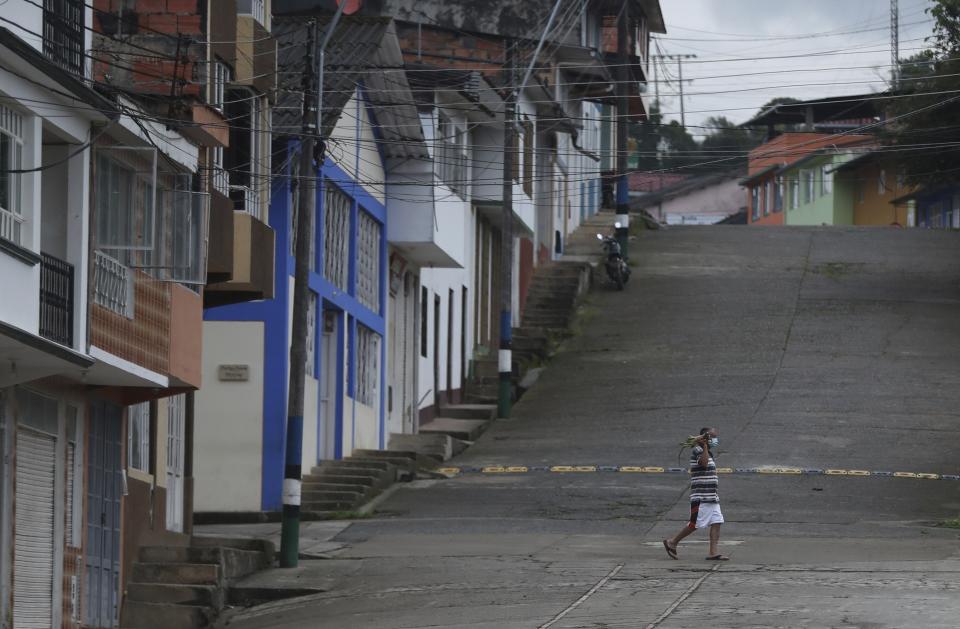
(25, 357)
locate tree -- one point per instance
(925, 114)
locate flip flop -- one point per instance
(670, 551)
(718, 558)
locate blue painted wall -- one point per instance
(275, 315)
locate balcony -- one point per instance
(56, 300)
(10, 223)
(247, 200)
(251, 278)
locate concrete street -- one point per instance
(833, 348)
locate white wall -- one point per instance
(228, 430)
(353, 147)
(704, 206)
(26, 18)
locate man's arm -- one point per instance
(705, 453)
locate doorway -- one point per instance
(176, 421)
(436, 354)
(104, 474)
(328, 385)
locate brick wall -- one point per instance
(155, 25)
(143, 340)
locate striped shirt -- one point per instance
(703, 479)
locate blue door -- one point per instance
(102, 563)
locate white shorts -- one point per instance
(708, 514)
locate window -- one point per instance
(766, 198)
(368, 261)
(528, 146)
(794, 193)
(860, 192)
(220, 78)
(180, 246)
(826, 181)
(368, 366)
(125, 198)
(63, 31)
(901, 178)
(311, 335)
(882, 183)
(244, 161)
(336, 235)
(138, 437)
(424, 312)
(755, 202)
(778, 190)
(11, 153)
(808, 186)
(255, 8)
(451, 155)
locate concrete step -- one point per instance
(383, 466)
(176, 573)
(181, 554)
(331, 496)
(202, 595)
(473, 398)
(347, 479)
(144, 615)
(530, 343)
(438, 446)
(329, 505)
(484, 389)
(485, 368)
(469, 411)
(241, 543)
(463, 429)
(403, 462)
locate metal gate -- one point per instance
(176, 419)
(102, 562)
(34, 548)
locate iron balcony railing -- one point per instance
(112, 284)
(220, 180)
(246, 199)
(56, 300)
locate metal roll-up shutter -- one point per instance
(33, 555)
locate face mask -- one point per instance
(714, 442)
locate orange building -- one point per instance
(876, 182)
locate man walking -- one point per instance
(704, 501)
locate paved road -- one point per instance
(814, 348)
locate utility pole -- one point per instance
(505, 355)
(679, 58)
(622, 232)
(894, 44)
(310, 131)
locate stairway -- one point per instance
(462, 422)
(349, 483)
(186, 586)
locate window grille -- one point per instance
(766, 198)
(779, 192)
(74, 486)
(755, 201)
(11, 153)
(112, 284)
(311, 335)
(244, 161)
(336, 235)
(826, 180)
(794, 193)
(138, 437)
(63, 31)
(368, 366)
(882, 183)
(368, 261)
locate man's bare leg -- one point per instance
(714, 540)
(684, 532)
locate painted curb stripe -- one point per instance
(651, 469)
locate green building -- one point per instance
(813, 195)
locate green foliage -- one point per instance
(927, 110)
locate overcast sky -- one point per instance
(732, 37)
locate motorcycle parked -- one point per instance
(617, 268)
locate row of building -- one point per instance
(148, 191)
(836, 171)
